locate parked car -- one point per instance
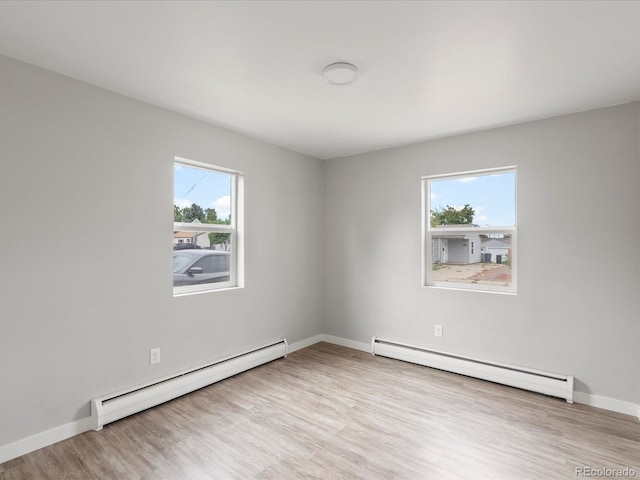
(185, 246)
(194, 267)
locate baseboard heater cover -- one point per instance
(113, 407)
(546, 383)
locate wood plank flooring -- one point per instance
(329, 412)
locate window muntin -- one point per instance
(205, 227)
(470, 230)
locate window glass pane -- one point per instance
(455, 258)
(483, 200)
(201, 195)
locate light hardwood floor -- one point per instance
(329, 412)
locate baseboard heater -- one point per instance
(113, 407)
(536, 381)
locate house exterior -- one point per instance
(199, 238)
(456, 249)
(495, 247)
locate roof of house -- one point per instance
(187, 234)
(497, 242)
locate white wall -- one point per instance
(576, 310)
(84, 171)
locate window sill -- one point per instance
(466, 289)
(199, 292)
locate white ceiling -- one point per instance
(428, 69)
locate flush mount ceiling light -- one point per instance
(340, 73)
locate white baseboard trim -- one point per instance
(307, 342)
(364, 347)
(607, 403)
(43, 439)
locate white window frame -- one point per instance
(428, 231)
(233, 229)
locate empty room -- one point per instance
(405, 240)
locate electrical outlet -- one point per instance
(437, 331)
(154, 356)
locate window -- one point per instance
(470, 230)
(206, 216)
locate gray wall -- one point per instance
(576, 310)
(85, 172)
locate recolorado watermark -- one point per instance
(592, 472)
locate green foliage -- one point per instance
(220, 238)
(452, 216)
(194, 212)
(210, 216)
